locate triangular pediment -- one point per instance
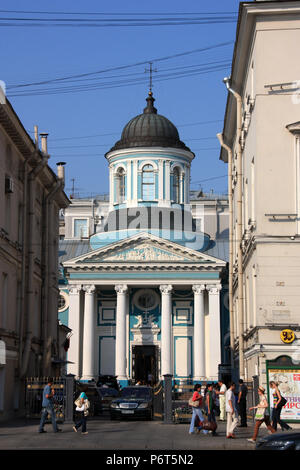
(143, 248)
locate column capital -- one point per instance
(198, 288)
(74, 289)
(214, 289)
(89, 289)
(121, 288)
(166, 288)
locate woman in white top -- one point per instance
(262, 414)
(82, 405)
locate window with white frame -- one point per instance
(80, 228)
(176, 186)
(148, 183)
(120, 185)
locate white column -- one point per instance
(166, 329)
(168, 181)
(160, 181)
(199, 332)
(74, 325)
(89, 319)
(121, 355)
(214, 330)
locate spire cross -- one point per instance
(151, 70)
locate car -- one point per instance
(93, 394)
(107, 395)
(108, 380)
(279, 441)
(134, 402)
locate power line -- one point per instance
(122, 67)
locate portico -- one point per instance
(177, 312)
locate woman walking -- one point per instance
(82, 405)
(278, 403)
(196, 401)
(262, 414)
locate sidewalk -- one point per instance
(107, 435)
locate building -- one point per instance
(142, 288)
(31, 196)
(261, 146)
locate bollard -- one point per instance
(69, 397)
(168, 419)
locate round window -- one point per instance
(63, 301)
(146, 299)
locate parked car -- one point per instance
(279, 441)
(107, 395)
(93, 394)
(108, 380)
(134, 402)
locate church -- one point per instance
(145, 295)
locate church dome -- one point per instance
(149, 129)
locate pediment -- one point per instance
(143, 249)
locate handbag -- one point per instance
(194, 404)
(260, 414)
(283, 401)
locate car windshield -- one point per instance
(136, 392)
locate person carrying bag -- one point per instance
(195, 402)
(82, 411)
(278, 403)
(261, 415)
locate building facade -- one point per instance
(261, 147)
(143, 294)
(31, 196)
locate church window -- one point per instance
(121, 185)
(176, 186)
(148, 183)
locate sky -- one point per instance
(91, 58)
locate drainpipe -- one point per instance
(30, 283)
(239, 233)
(46, 285)
(230, 280)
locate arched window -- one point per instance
(176, 186)
(121, 185)
(148, 183)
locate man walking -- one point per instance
(242, 402)
(231, 411)
(48, 407)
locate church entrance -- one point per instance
(144, 364)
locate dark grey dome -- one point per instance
(149, 130)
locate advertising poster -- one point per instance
(288, 381)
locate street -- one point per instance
(104, 434)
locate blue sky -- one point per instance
(33, 54)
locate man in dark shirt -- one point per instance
(48, 407)
(242, 403)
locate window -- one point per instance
(121, 185)
(80, 228)
(176, 187)
(148, 184)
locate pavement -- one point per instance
(104, 434)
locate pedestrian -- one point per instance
(278, 403)
(48, 407)
(242, 403)
(211, 406)
(222, 400)
(262, 414)
(196, 402)
(82, 405)
(231, 412)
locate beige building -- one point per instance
(31, 196)
(262, 148)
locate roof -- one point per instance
(149, 129)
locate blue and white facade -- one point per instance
(144, 296)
